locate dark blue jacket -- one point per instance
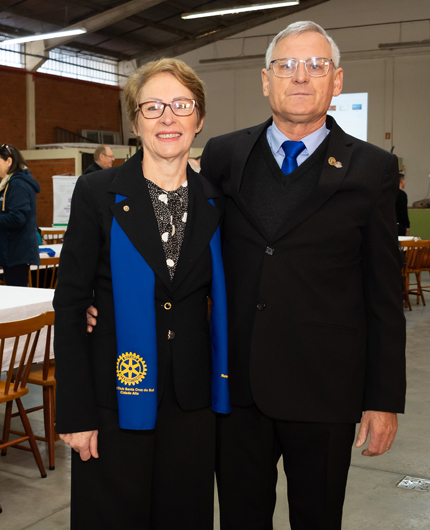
(18, 228)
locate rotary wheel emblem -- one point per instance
(130, 368)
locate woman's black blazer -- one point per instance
(86, 363)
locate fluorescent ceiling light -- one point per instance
(44, 36)
(240, 9)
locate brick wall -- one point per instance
(13, 102)
(43, 171)
(60, 102)
(74, 105)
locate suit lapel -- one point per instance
(339, 149)
(237, 172)
(202, 222)
(136, 217)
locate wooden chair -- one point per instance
(45, 275)
(13, 391)
(53, 237)
(44, 375)
(417, 257)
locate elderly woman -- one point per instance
(134, 398)
(18, 229)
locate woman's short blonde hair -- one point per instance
(183, 73)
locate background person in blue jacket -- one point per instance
(18, 229)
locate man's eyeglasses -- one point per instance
(155, 109)
(109, 156)
(315, 66)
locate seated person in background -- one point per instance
(103, 159)
(40, 240)
(402, 209)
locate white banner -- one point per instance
(63, 190)
(350, 113)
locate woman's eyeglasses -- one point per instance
(155, 109)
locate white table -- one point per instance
(18, 303)
(56, 248)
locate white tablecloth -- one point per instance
(18, 303)
(56, 248)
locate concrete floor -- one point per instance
(372, 502)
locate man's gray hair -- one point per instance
(297, 28)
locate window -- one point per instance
(66, 63)
(78, 66)
(102, 137)
(10, 55)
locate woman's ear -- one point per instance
(200, 126)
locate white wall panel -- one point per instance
(412, 122)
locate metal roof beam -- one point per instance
(162, 27)
(141, 20)
(107, 18)
(178, 5)
(215, 35)
(97, 50)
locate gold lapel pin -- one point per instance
(126, 208)
(333, 162)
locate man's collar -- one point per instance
(312, 141)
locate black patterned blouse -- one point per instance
(170, 209)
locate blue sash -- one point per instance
(133, 291)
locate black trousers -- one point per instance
(148, 480)
(16, 275)
(316, 462)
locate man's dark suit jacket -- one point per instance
(86, 364)
(92, 168)
(316, 325)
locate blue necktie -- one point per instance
(292, 151)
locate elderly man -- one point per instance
(316, 323)
(103, 159)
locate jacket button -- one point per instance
(167, 306)
(170, 335)
(269, 251)
(261, 306)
